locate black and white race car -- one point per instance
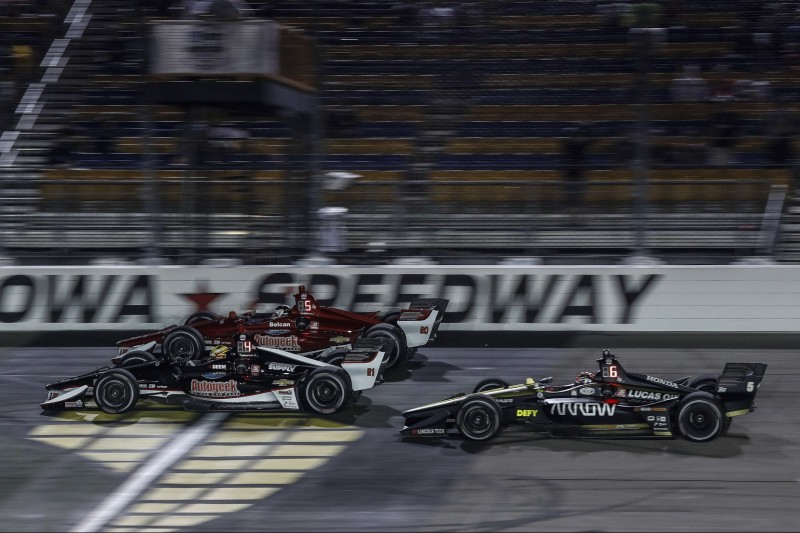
(608, 403)
(250, 378)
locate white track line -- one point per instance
(160, 461)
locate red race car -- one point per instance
(307, 329)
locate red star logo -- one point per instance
(202, 298)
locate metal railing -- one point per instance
(252, 221)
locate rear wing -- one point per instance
(738, 385)
(421, 320)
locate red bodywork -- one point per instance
(324, 327)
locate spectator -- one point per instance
(689, 86)
(724, 133)
(575, 146)
(781, 126)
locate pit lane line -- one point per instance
(159, 462)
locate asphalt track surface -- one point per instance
(166, 470)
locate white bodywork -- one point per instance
(413, 329)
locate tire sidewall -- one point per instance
(700, 403)
(116, 381)
(474, 406)
(488, 384)
(318, 380)
(200, 316)
(136, 357)
(186, 338)
(387, 331)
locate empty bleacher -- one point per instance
(456, 129)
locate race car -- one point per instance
(252, 378)
(608, 403)
(307, 328)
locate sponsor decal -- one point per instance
(214, 375)
(314, 325)
(428, 431)
(214, 389)
(219, 367)
(255, 368)
(283, 382)
(504, 400)
(586, 391)
(503, 298)
(76, 403)
(584, 409)
(647, 395)
(527, 413)
(651, 409)
(722, 389)
(662, 382)
(283, 367)
(483, 298)
(290, 343)
(423, 330)
(280, 325)
(339, 339)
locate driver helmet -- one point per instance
(584, 378)
(219, 352)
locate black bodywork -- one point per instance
(261, 379)
(608, 403)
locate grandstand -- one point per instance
(453, 115)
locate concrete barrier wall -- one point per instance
(600, 299)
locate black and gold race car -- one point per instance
(608, 403)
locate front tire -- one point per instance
(489, 384)
(200, 316)
(700, 418)
(183, 342)
(392, 349)
(136, 357)
(326, 391)
(479, 418)
(116, 391)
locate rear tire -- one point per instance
(705, 382)
(479, 418)
(700, 418)
(326, 390)
(392, 349)
(183, 342)
(489, 384)
(116, 391)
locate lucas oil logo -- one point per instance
(290, 343)
(645, 395)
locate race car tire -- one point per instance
(183, 342)
(326, 390)
(479, 418)
(391, 317)
(136, 357)
(489, 384)
(700, 417)
(335, 358)
(116, 391)
(705, 382)
(392, 349)
(200, 316)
